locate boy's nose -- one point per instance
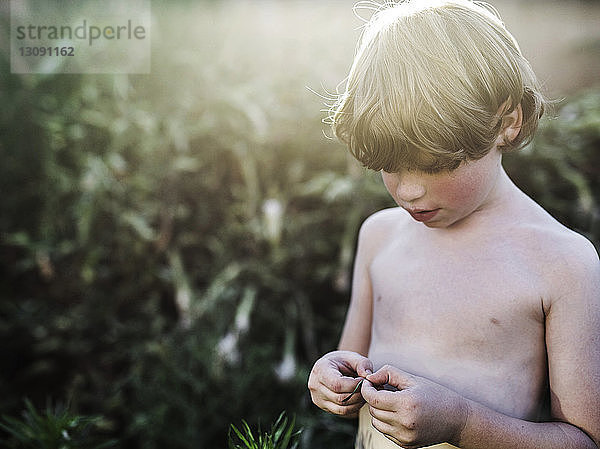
(409, 188)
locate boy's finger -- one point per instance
(379, 399)
(386, 416)
(392, 376)
(346, 399)
(355, 362)
(347, 409)
(356, 390)
(343, 385)
(364, 367)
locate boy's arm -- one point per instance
(356, 335)
(573, 346)
(333, 376)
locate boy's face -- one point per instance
(442, 199)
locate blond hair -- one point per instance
(430, 83)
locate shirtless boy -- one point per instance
(475, 316)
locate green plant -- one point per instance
(54, 428)
(281, 436)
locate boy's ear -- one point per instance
(511, 125)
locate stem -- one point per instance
(347, 398)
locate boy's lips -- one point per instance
(423, 215)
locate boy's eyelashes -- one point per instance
(434, 167)
(430, 165)
(434, 170)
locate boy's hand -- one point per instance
(333, 377)
(420, 413)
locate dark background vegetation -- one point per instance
(175, 248)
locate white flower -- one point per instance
(227, 348)
(272, 210)
(286, 369)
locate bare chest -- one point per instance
(468, 319)
(474, 298)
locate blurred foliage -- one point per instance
(55, 428)
(176, 247)
(281, 436)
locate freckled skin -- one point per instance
(458, 193)
(485, 318)
(456, 287)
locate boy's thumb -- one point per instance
(392, 376)
(364, 368)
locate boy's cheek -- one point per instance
(459, 192)
(390, 184)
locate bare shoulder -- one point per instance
(565, 248)
(385, 219)
(577, 264)
(380, 225)
(379, 228)
(568, 259)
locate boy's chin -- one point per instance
(443, 222)
(437, 225)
